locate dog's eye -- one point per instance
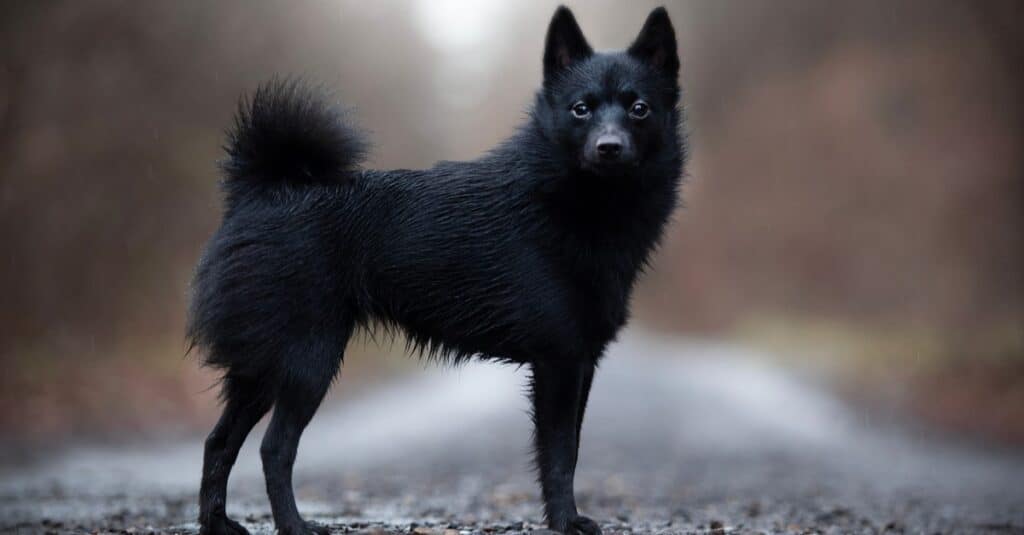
(580, 110)
(640, 110)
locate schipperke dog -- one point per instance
(526, 255)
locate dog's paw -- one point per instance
(582, 525)
(222, 525)
(576, 525)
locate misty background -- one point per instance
(855, 200)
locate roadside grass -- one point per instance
(58, 393)
(964, 382)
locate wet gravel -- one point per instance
(711, 441)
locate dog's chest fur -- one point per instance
(602, 237)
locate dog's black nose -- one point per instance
(609, 146)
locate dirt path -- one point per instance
(713, 442)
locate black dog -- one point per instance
(526, 255)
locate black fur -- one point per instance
(284, 134)
(526, 255)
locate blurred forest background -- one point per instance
(855, 200)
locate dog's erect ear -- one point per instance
(656, 44)
(565, 43)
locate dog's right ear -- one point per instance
(565, 44)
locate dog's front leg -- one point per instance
(558, 396)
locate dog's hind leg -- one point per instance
(311, 369)
(245, 403)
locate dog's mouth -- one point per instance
(609, 167)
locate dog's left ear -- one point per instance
(656, 44)
(565, 43)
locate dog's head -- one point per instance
(610, 112)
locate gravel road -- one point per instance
(681, 436)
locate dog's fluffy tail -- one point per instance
(287, 133)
